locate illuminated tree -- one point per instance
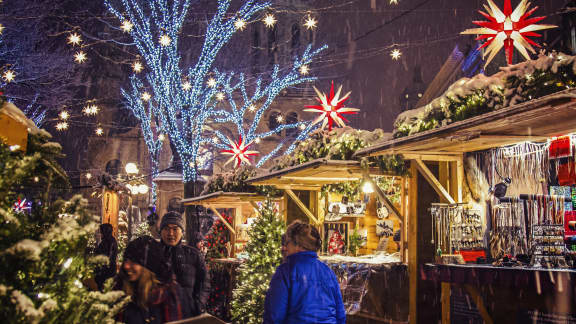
(199, 107)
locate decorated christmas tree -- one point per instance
(217, 239)
(254, 274)
(44, 265)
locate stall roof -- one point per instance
(222, 198)
(313, 174)
(535, 120)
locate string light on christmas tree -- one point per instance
(239, 152)
(310, 22)
(88, 175)
(165, 40)
(14, 147)
(395, 54)
(99, 131)
(127, 26)
(269, 20)
(331, 108)
(137, 67)
(74, 39)
(509, 29)
(80, 57)
(240, 24)
(61, 126)
(146, 96)
(8, 76)
(64, 115)
(304, 70)
(186, 86)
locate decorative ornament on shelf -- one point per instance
(331, 108)
(239, 151)
(508, 28)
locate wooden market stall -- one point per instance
(437, 175)
(242, 205)
(379, 295)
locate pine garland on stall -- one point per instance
(469, 97)
(254, 274)
(43, 245)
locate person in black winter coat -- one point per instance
(186, 264)
(108, 247)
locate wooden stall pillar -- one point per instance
(412, 227)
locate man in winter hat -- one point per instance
(186, 263)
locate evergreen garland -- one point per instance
(341, 144)
(513, 85)
(235, 181)
(263, 249)
(43, 249)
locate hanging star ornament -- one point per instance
(331, 108)
(239, 152)
(508, 28)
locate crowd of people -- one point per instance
(168, 280)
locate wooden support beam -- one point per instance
(449, 156)
(253, 203)
(446, 291)
(412, 220)
(302, 207)
(222, 219)
(433, 181)
(473, 292)
(460, 178)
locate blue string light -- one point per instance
(193, 116)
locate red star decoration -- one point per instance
(239, 151)
(508, 28)
(331, 108)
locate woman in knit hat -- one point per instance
(139, 277)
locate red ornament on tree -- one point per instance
(331, 108)
(508, 28)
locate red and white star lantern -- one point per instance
(331, 108)
(508, 28)
(239, 152)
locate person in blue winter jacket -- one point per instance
(303, 289)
